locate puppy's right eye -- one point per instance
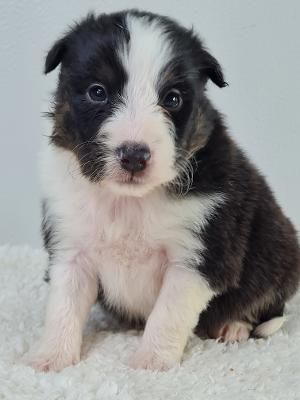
(97, 94)
(172, 100)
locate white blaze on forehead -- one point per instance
(148, 53)
(139, 117)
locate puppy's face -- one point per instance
(130, 101)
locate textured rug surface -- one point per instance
(258, 369)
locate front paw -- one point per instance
(52, 359)
(154, 361)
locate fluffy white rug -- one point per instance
(259, 369)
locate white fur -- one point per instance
(140, 249)
(183, 296)
(140, 118)
(73, 291)
(268, 328)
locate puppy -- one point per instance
(149, 206)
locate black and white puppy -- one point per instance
(149, 205)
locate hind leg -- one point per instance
(231, 317)
(236, 331)
(224, 320)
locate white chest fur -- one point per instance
(128, 241)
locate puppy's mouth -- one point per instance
(127, 183)
(132, 178)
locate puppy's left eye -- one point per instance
(172, 100)
(97, 94)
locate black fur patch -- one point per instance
(88, 55)
(48, 234)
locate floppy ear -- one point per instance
(212, 69)
(55, 55)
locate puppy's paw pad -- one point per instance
(55, 362)
(235, 332)
(150, 360)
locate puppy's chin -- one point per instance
(129, 188)
(136, 187)
(123, 184)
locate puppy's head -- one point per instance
(130, 101)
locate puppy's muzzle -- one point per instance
(133, 157)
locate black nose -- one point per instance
(133, 156)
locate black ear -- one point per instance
(55, 55)
(212, 69)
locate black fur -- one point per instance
(87, 55)
(49, 236)
(252, 258)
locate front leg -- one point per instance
(73, 290)
(183, 296)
